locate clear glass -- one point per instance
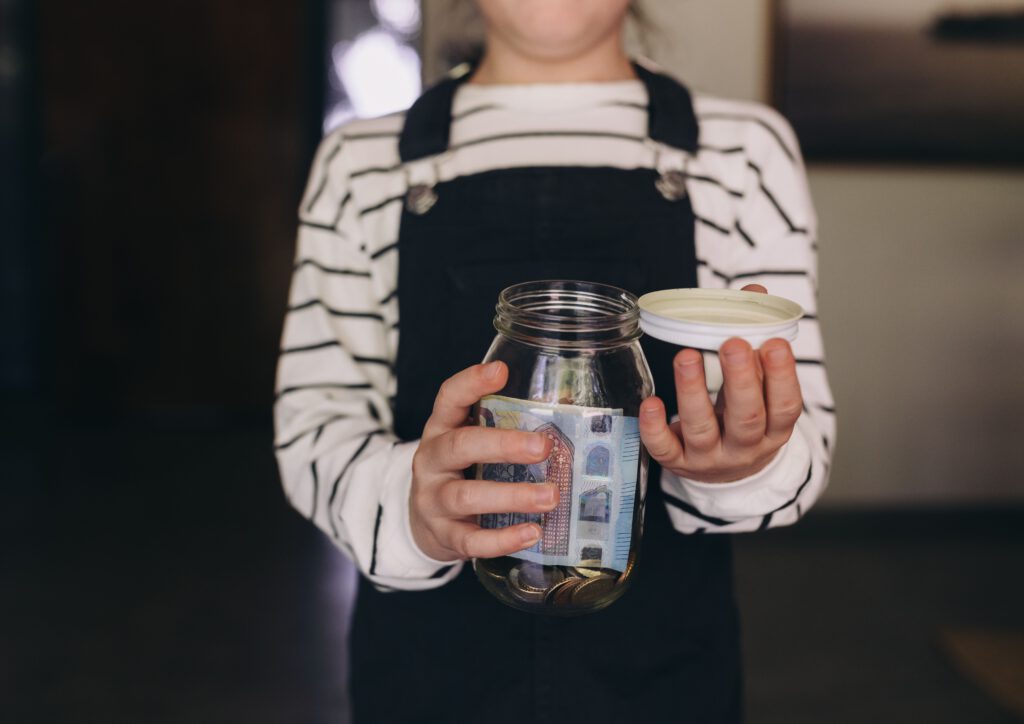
(571, 343)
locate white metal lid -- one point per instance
(706, 318)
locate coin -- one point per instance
(523, 589)
(581, 572)
(525, 595)
(539, 577)
(494, 568)
(592, 590)
(561, 593)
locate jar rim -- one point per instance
(601, 314)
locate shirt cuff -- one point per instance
(398, 556)
(757, 495)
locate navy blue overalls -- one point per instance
(668, 650)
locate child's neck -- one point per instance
(503, 64)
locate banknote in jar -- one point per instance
(593, 462)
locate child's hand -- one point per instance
(443, 505)
(757, 408)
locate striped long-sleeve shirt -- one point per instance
(341, 464)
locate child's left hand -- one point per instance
(757, 408)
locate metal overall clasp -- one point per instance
(671, 167)
(421, 178)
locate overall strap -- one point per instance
(428, 121)
(670, 116)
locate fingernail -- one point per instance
(650, 411)
(544, 495)
(735, 356)
(778, 355)
(530, 535)
(492, 369)
(536, 444)
(689, 368)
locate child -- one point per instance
(545, 160)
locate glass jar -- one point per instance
(578, 374)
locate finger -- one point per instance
(697, 421)
(460, 392)
(657, 436)
(755, 288)
(472, 541)
(461, 497)
(782, 388)
(744, 394)
(457, 449)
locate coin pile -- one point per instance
(555, 587)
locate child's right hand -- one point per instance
(443, 504)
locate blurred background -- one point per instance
(152, 157)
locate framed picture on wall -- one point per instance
(914, 80)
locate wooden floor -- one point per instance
(155, 574)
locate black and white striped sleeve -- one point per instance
(777, 225)
(341, 466)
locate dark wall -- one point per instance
(175, 138)
(19, 304)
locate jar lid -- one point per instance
(706, 318)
